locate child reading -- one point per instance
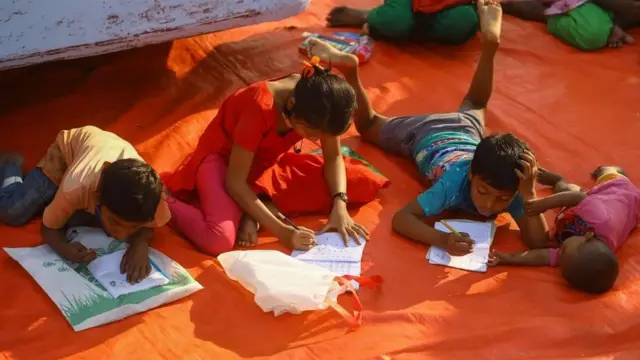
(483, 175)
(585, 25)
(88, 169)
(450, 22)
(590, 227)
(253, 127)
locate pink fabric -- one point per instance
(612, 209)
(562, 6)
(212, 226)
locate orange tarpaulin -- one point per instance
(576, 110)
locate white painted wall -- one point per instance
(34, 31)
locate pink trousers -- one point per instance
(213, 226)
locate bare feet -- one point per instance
(332, 56)
(11, 158)
(343, 16)
(490, 15)
(247, 232)
(548, 178)
(619, 37)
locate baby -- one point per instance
(590, 227)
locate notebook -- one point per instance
(106, 270)
(481, 232)
(331, 253)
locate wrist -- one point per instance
(283, 231)
(442, 240)
(528, 195)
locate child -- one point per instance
(253, 127)
(451, 22)
(590, 227)
(486, 176)
(91, 170)
(582, 24)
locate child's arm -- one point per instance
(236, 184)
(409, 222)
(533, 227)
(336, 178)
(75, 252)
(135, 262)
(559, 200)
(535, 257)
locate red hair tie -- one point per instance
(309, 67)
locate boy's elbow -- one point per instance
(399, 220)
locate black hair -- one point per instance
(496, 159)
(324, 101)
(131, 189)
(594, 269)
(595, 174)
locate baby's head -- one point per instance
(588, 264)
(129, 194)
(494, 182)
(320, 105)
(605, 169)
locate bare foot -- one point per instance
(247, 232)
(619, 37)
(490, 15)
(548, 178)
(330, 55)
(11, 158)
(343, 16)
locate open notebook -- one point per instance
(481, 232)
(106, 269)
(331, 253)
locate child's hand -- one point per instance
(459, 245)
(300, 239)
(136, 262)
(496, 258)
(77, 253)
(527, 186)
(534, 207)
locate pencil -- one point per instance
(286, 219)
(449, 227)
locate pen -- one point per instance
(449, 227)
(286, 219)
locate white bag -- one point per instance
(285, 284)
(83, 301)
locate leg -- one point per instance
(367, 121)
(248, 228)
(586, 27)
(626, 13)
(213, 228)
(393, 19)
(477, 98)
(530, 10)
(548, 178)
(452, 26)
(21, 200)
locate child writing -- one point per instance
(91, 170)
(483, 175)
(253, 127)
(590, 227)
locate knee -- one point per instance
(391, 20)
(454, 26)
(14, 219)
(217, 239)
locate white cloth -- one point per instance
(281, 283)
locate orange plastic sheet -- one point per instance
(576, 110)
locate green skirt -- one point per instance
(586, 27)
(395, 19)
